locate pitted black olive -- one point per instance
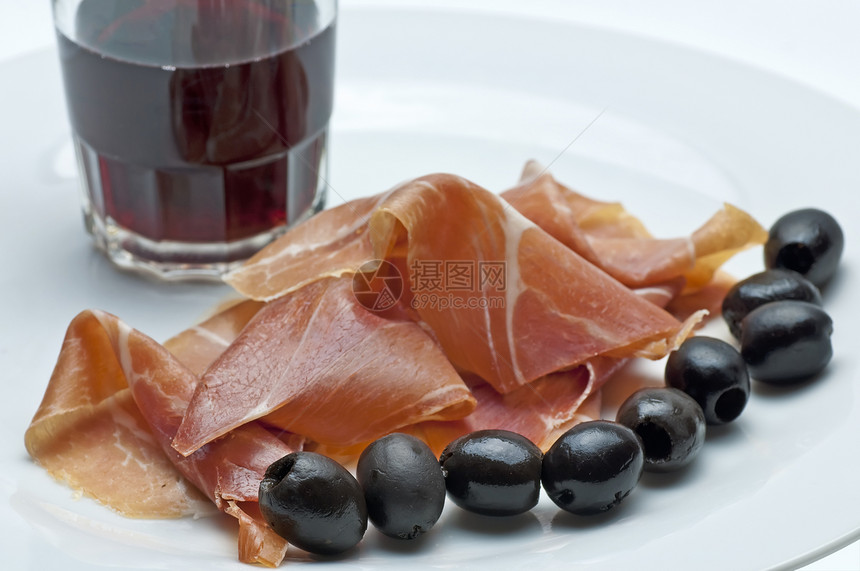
(764, 287)
(670, 423)
(403, 485)
(493, 472)
(314, 503)
(786, 341)
(808, 241)
(592, 467)
(714, 374)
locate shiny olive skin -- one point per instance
(592, 467)
(403, 485)
(764, 287)
(492, 472)
(670, 423)
(786, 341)
(808, 241)
(714, 374)
(314, 503)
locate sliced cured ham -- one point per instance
(336, 241)
(105, 364)
(552, 309)
(543, 409)
(199, 345)
(610, 237)
(332, 243)
(537, 306)
(89, 433)
(230, 470)
(540, 411)
(315, 355)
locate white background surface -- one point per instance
(815, 43)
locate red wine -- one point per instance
(199, 121)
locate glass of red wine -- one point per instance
(200, 126)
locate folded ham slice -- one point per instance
(199, 345)
(315, 355)
(89, 427)
(552, 309)
(610, 237)
(332, 243)
(540, 411)
(543, 409)
(548, 310)
(105, 425)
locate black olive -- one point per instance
(764, 287)
(493, 472)
(403, 485)
(670, 423)
(714, 374)
(808, 241)
(592, 467)
(786, 341)
(314, 503)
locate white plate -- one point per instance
(678, 132)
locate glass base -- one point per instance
(172, 260)
(177, 261)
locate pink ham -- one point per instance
(199, 345)
(551, 310)
(543, 409)
(316, 355)
(330, 244)
(613, 239)
(540, 411)
(103, 360)
(89, 433)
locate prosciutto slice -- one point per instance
(548, 309)
(198, 346)
(540, 411)
(543, 409)
(106, 365)
(337, 242)
(88, 426)
(552, 310)
(613, 239)
(332, 243)
(315, 355)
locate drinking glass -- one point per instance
(200, 126)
